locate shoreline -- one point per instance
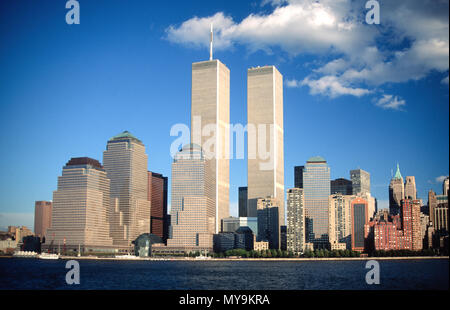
(190, 259)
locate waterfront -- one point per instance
(411, 274)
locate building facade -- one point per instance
(340, 219)
(298, 176)
(192, 205)
(341, 186)
(265, 115)
(157, 195)
(316, 189)
(243, 201)
(295, 221)
(81, 207)
(42, 218)
(396, 192)
(269, 228)
(210, 110)
(360, 181)
(410, 188)
(360, 218)
(125, 162)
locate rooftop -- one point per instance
(125, 135)
(316, 159)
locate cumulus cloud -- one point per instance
(410, 43)
(391, 102)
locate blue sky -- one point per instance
(359, 95)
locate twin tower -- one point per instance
(265, 156)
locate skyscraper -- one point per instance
(341, 186)
(316, 185)
(265, 113)
(42, 218)
(192, 205)
(360, 218)
(295, 221)
(396, 192)
(269, 229)
(410, 188)
(445, 186)
(210, 111)
(340, 219)
(298, 176)
(157, 195)
(243, 201)
(360, 181)
(125, 163)
(81, 206)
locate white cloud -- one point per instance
(391, 102)
(331, 86)
(445, 80)
(414, 36)
(441, 178)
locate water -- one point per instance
(17, 273)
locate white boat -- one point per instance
(127, 256)
(25, 254)
(48, 256)
(203, 257)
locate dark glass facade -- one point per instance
(341, 186)
(298, 176)
(243, 201)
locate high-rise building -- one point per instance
(42, 218)
(410, 188)
(445, 186)
(411, 226)
(192, 205)
(341, 186)
(432, 204)
(157, 195)
(269, 228)
(316, 186)
(295, 221)
(210, 111)
(360, 218)
(126, 163)
(243, 201)
(298, 176)
(265, 114)
(360, 181)
(396, 192)
(231, 224)
(340, 219)
(441, 218)
(81, 207)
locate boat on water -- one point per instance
(203, 257)
(25, 254)
(48, 256)
(127, 256)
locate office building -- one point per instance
(42, 218)
(298, 176)
(125, 163)
(81, 207)
(441, 218)
(340, 219)
(445, 186)
(210, 109)
(396, 192)
(157, 195)
(341, 186)
(243, 201)
(360, 218)
(410, 188)
(316, 189)
(360, 181)
(268, 221)
(265, 112)
(295, 235)
(411, 226)
(192, 204)
(231, 224)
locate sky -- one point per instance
(360, 95)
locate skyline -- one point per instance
(101, 115)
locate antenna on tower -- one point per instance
(211, 44)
